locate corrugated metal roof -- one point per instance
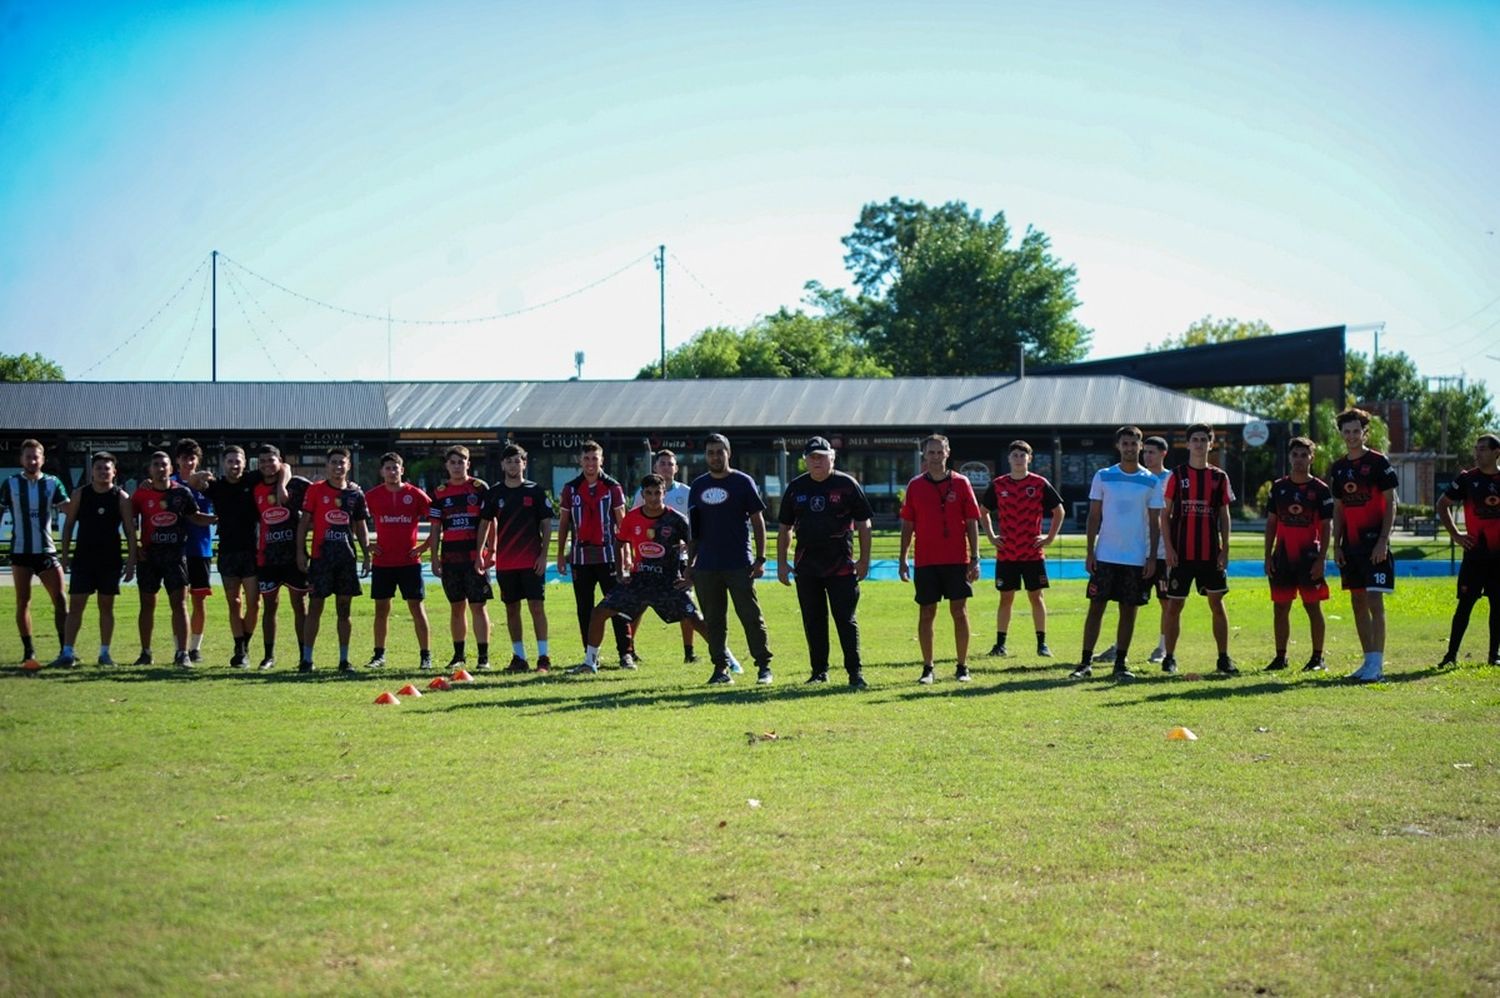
(917, 403)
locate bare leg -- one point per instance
(1220, 621)
(925, 616)
(959, 610)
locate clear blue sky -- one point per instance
(1302, 164)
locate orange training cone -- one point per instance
(440, 683)
(387, 698)
(1181, 734)
(462, 676)
(31, 665)
(409, 691)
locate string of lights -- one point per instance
(284, 335)
(192, 330)
(230, 282)
(705, 288)
(202, 265)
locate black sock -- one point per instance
(270, 647)
(380, 651)
(1041, 638)
(1000, 638)
(458, 650)
(1119, 658)
(484, 651)
(27, 646)
(1281, 653)
(426, 653)
(1087, 656)
(1317, 653)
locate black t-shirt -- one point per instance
(98, 522)
(519, 512)
(234, 502)
(822, 514)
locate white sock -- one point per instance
(195, 642)
(591, 655)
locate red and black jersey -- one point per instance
(657, 543)
(1194, 497)
(591, 508)
(456, 508)
(1481, 498)
(1019, 506)
(1300, 510)
(519, 512)
(1360, 486)
(334, 512)
(164, 519)
(277, 543)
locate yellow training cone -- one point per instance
(1181, 734)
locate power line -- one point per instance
(705, 288)
(355, 313)
(197, 314)
(1483, 309)
(1463, 345)
(145, 325)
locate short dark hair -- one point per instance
(187, 445)
(1304, 442)
(30, 443)
(1490, 439)
(590, 447)
(268, 450)
(338, 452)
(103, 455)
(935, 436)
(653, 481)
(664, 452)
(233, 449)
(1019, 445)
(1352, 415)
(513, 450)
(159, 453)
(1160, 443)
(1127, 431)
(1201, 428)
(391, 455)
(458, 449)
(717, 438)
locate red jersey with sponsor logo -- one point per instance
(1195, 496)
(334, 513)
(939, 512)
(1481, 498)
(397, 514)
(164, 519)
(457, 507)
(657, 544)
(1360, 486)
(277, 540)
(1301, 509)
(1019, 505)
(519, 512)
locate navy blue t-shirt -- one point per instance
(719, 511)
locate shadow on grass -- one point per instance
(1177, 688)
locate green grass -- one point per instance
(231, 832)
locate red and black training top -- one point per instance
(1194, 496)
(1360, 486)
(1301, 510)
(1481, 498)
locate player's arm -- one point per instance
(362, 535)
(435, 544)
(1271, 522)
(545, 529)
(862, 566)
(902, 568)
(1091, 533)
(564, 529)
(66, 540)
(989, 528)
(484, 533)
(132, 543)
(1225, 526)
(1338, 531)
(1058, 515)
(1382, 547)
(972, 528)
(758, 530)
(1161, 527)
(1444, 515)
(203, 519)
(304, 524)
(783, 567)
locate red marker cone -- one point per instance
(31, 665)
(387, 698)
(462, 676)
(440, 684)
(409, 691)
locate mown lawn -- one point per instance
(639, 832)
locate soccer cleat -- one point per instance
(763, 676)
(856, 681)
(267, 664)
(998, 651)
(1169, 665)
(1157, 655)
(543, 663)
(376, 662)
(483, 665)
(627, 661)
(1448, 662)
(927, 676)
(105, 660)
(426, 663)
(1226, 666)
(962, 674)
(517, 664)
(143, 659)
(181, 660)
(1122, 671)
(195, 656)
(719, 678)
(689, 656)
(304, 667)
(734, 663)
(237, 660)
(1107, 655)
(458, 662)
(1277, 664)
(1367, 673)
(345, 665)
(583, 669)
(636, 655)
(62, 662)
(1084, 671)
(818, 677)
(1043, 651)
(1314, 664)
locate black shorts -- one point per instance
(1479, 575)
(1159, 580)
(35, 562)
(1207, 574)
(333, 577)
(1009, 575)
(96, 574)
(269, 578)
(236, 564)
(198, 570)
(385, 580)
(1121, 584)
(633, 598)
(939, 582)
(152, 575)
(1360, 573)
(462, 584)
(517, 584)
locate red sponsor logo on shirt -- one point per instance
(275, 514)
(337, 516)
(650, 549)
(163, 519)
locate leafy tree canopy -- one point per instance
(788, 344)
(29, 367)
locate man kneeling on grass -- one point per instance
(651, 557)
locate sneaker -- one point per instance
(1314, 664)
(1169, 665)
(962, 674)
(105, 660)
(181, 660)
(143, 659)
(1367, 673)
(345, 665)
(1157, 656)
(927, 676)
(856, 681)
(998, 652)
(689, 656)
(304, 667)
(458, 662)
(483, 665)
(1107, 655)
(1448, 662)
(426, 663)
(734, 664)
(62, 662)
(1226, 666)
(1043, 651)
(818, 677)
(376, 662)
(583, 669)
(763, 676)
(517, 664)
(719, 678)
(627, 661)
(267, 664)
(543, 663)
(1277, 664)
(195, 656)
(237, 660)
(1084, 671)
(1122, 671)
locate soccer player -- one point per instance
(1195, 528)
(1364, 513)
(30, 498)
(940, 512)
(332, 510)
(200, 546)
(590, 509)
(165, 509)
(1478, 489)
(278, 503)
(398, 508)
(516, 525)
(651, 565)
(1298, 513)
(724, 509)
(1153, 458)
(100, 512)
(457, 558)
(1121, 535)
(1020, 499)
(233, 501)
(824, 508)
(676, 497)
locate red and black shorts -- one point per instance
(1208, 576)
(1010, 575)
(1479, 575)
(198, 571)
(632, 599)
(1292, 577)
(935, 583)
(333, 577)
(1123, 584)
(270, 578)
(1360, 573)
(517, 584)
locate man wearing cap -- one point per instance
(824, 507)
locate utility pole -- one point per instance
(661, 268)
(214, 315)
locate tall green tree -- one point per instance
(946, 291)
(1446, 420)
(29, 367)
(1388, 377)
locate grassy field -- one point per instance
(641, 833)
